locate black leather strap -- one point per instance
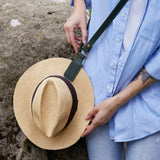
(76, 64)
(86, 47)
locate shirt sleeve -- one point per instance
(87, 2)
(153, 65)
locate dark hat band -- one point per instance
(73, 94)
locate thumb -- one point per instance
(91, 114)
(84, 34)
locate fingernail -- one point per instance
(86, 117)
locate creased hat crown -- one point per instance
(50, 109)
(51, 106)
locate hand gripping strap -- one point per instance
(76, 64)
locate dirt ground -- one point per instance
(30, 31)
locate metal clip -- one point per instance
(88, 46)
(86, 49)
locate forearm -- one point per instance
(79, 4)
(142, 81)
(79, 7)
(103, 112)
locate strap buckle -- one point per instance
(85, 48)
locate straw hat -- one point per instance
(49, 109)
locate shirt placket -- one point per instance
(119, 25)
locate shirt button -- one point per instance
(111, 64)
(108, 87)
(123, 15)
(117, 39)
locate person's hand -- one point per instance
(101, 114)
(104, 111)
(77, 20)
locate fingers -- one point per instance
(78, 39)
(100, 115)
(92, 114)
(73, 41)
(72, 38)
(89, 129)
(84, 34)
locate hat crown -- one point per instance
(51, 106)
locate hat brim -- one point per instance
(22, 104)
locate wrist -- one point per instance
(117, 101)
(113, 103)
(125, 95)
(79, 5)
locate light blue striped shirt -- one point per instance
(110, 72)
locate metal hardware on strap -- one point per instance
(71, 72)
(86, 49)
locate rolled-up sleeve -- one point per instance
(153, 65)
(87, 2)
